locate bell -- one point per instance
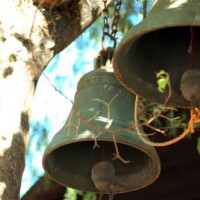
(162, 41)
(96, 129)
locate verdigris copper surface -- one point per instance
(100, 120)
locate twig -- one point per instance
(108, 107)
(117, 155)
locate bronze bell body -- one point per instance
(161, 41)
(102, 111)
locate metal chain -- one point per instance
(144, 9)
(114, 27)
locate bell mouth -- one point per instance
(74, 162)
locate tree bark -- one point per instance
(29, 36)
(18, 74)
(68, 19)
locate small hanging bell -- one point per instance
(162, 41)
(98, 130)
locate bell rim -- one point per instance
(155, 159)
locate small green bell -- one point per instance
(98, 123)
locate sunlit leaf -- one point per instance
(161, 84)
(88, 196)
(162, 80)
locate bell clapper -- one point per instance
(190, 86)
(103, 176)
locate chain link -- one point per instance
(144, 6)
(114, 27)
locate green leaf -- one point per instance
(198, 145)
(88, 196)
(71, 194)
(162, 80)
(161, 84)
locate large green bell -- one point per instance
(101, 107)
(161, 41)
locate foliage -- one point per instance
(72, 194)
(168, 120)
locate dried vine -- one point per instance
(107, 129)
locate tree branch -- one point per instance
(68, 20)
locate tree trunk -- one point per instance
(18, 74)
(29, 37)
